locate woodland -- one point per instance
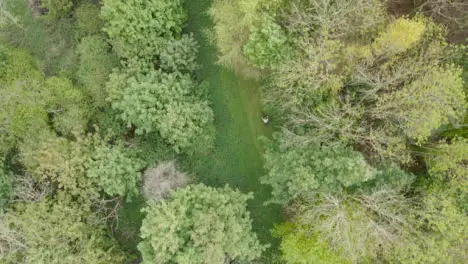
(131, 131)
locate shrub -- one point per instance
(199, 224)
(158, 182)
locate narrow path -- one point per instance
(237, 158)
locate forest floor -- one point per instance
(237, 159)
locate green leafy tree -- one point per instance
(179, 54)
(296, 171)
(114, 170)
(443, 231)
(199, 224)
(162, 102)
(450, 161)
(58, 8)
(67, 105)
(88, 19)
(51, 232)
(268, 46)
(137, 28)
(233, 21)
(425, 104)
(96, 63)
(62, 162)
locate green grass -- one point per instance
(237, 159)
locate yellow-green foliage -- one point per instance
(233, 22)
(61, 161)
(399, 36)
(56, 233)
(300, 245)
(428, 102)
(450, 161)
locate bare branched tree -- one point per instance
(159, 181)
(26, 189)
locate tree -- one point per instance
(233, 21)
(114, 170)
(58, 8)
(137, 28)
(423, 106)
(179, 54)
(67, 105)
(162, 102)
(299, 246)
(96, 63)
(268, 46)
(358, 226)
(399, 36)
(6, 184)
(449, 162)
(296, 171)
(159, 181)
(199, 224)
(443, 231)
(88, 20)
(61, 161)
(54, 232)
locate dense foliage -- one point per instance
(107, 135)
(199, 224)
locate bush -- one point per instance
(199, 224)
(162, 102)
(158, 182)
(137, 28)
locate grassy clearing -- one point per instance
(237, 158)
